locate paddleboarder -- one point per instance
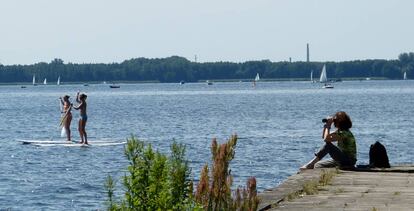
(67, 116)
(81, 99)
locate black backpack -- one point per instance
(378, 157)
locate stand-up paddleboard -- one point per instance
(71, 143)
(91, 144)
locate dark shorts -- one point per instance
(84, 117)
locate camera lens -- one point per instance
(324, 120)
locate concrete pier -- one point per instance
(359, 189)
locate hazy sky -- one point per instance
(91, 31)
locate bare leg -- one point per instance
(84, 131)
(67, 127)
(67, 130)
(80, 131)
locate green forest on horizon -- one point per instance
(176, 69)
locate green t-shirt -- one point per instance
(347, 143)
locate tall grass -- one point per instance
(214, 189)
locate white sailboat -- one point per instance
(324, 79)
(257, 78)
(312, 76)
(45, 82)
(58, 81)
(34, 80)
(405, 75)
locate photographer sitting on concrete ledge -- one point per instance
(343, 155)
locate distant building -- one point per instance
(307, 52)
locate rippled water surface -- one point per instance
(278, 124)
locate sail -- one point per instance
(58, 81)
(34, 80)
(405, 75)
(257, 78)
(45, 82)
(323, 78)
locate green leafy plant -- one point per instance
(154, 181)
(110, 185)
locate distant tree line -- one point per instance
(175, 69)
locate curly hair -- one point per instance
(342, 121)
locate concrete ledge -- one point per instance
(357, 189)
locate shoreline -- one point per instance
(334, 80)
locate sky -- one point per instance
(107, 31)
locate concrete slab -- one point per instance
(359, 189)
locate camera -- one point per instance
(325, 120)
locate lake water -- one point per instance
(278, 124)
